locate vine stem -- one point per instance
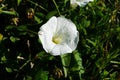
(56, 7)
(30, 31)
(38, 5)
(29, 60)
(22, 67)
(64, 64)
(24, 64)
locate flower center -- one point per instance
(57, 39)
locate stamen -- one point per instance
(57, 39)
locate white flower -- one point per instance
(74, 3)
(59, 36)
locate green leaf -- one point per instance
(9, 27)
(14, 39)
(115, 62)
(50, 14)
(78, 65)
(91, 42)
(37, 19)
(41, 75)
(28, 78)
(65, 58)
(113, 76)
(10, 12)
(1, 37)
(78, 60)
(65, 1)
(118, 29)
(22, 28)
(39, 14)
(8, 70)
(105, 73)
(85, 32)
(86, 23)
(3, 59)
(18, 2)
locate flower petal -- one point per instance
(79, 2)
(46, 33)
(73, 3)
(83, 2)
(61, 49)
(65, 34)
(69, 32)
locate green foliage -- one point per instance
(96, 57)
(41, 75)
(18, 2)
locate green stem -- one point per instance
(36, 33)
(22, 67)
(28, 30)
(28, 43)
(4, 6)
(63, 64)
(38, 5)
(24, 64)
(56, 7)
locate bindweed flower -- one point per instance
(74, 3)
(59, 36)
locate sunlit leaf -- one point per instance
(18, 2)
(65, 1)
(8, 69)
(3, 59)
(14, 39)
(78, 60)
(115, 62)
(37, 19)
(10, 12)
